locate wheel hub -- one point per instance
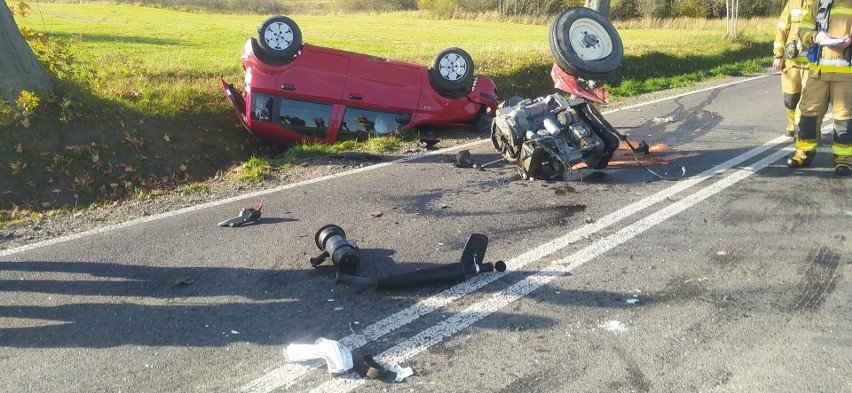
(453, 67)
(590, 40)
(279, 36)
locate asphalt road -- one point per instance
(735, 278)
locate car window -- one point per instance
(261, 107)
(306, 118)
(362, 124)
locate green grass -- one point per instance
(146, 111)
(165, 62)
(255, 169)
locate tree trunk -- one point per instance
(19, 68)
(601, 6)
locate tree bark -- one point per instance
(601, 6)
(19, 68)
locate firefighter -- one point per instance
(790, 59)
(825, 29)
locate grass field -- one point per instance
(149, 112)
(173, 55)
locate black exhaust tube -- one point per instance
(448, 274)
(331, 240)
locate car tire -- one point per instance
(451, 74)
(585, 44)
(280, 38)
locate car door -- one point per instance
(315, 75)
(380, 84)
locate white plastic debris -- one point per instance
(668, 119)
(613, 326)
(632, 301)
(402, 373)
(337, 356)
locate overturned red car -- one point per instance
(298, 92)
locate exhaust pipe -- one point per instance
(470, 265)
(331, 240)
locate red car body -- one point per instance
(329, 95)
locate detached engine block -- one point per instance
(550, 134)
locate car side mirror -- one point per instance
(403, 118)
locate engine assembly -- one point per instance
(548, 135)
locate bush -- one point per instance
(630, 9)
(375, 5)
(624, 9)
(533, 8)
(692, 9)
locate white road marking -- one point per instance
(450, 326)
(220, 202)
(289, 373)
(108, 228)
(279, 377)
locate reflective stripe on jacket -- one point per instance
(788, 27)
(833, 60)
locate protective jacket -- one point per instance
(787, 33)
(838, 18)
(829, 81)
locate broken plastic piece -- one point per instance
(337, 356)
(428, 143)
(247, 216)
(370, 368)
(463, 159)
(643, 148)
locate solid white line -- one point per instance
(108, 228)
(219, 202)
(278, 378)
(449, 327)
(270, 382)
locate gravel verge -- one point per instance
(27, 233)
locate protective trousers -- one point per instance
(793, 80)
(819, 91)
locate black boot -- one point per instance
(800, 159)
(842, 170)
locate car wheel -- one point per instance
(585, 44)
(280, 38)
(452, 73)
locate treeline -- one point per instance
(630, 9)
(619, 9)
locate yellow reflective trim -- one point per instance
(841, 11)
(841, 150)
(806, 145)
(807, 25)
(801, 59)
(831, 69)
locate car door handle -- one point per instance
(288, 87)
(355, 97)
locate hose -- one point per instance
(644, 147)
